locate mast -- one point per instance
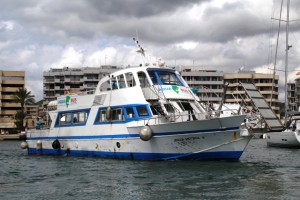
(286, 59)
(276, 50)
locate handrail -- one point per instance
(182, 117)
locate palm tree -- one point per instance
(23, 97)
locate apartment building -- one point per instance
(263, 82)
(10, 82)
(57, 81)
(297, 93)
(209, 83)
(291, 97)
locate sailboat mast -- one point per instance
(286, 58)
(276, 51)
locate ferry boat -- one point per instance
(142, 113)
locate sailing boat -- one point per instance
(290, 137)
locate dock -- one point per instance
(19, 136)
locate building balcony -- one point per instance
(7, 97)
(232, 84)
(48, 89)
(85, 79)
(76, 81)
(48, 81)
(268, 92)
(236, 100)
(273, 100)
(205, 90)
(265, 85)
(8, 112)
(235, 92)
(11, 105)
(210, 98)
(205, 82)
(88, 87)
(13, 82)
(58, 88)
(10, 89)
(6, 122)
(58, 80)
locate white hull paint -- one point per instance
(186, 140)
(286, 139)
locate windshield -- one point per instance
(164, 78)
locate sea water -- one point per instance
(261, 173)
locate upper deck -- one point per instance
(155, 82)
(139, 85)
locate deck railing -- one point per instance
(183, 117)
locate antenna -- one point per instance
(141, 50)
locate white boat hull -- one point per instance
(286, 139)
(172, 141)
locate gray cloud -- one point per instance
(36, 35)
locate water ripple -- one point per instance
(261, 173)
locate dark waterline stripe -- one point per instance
(140, 155)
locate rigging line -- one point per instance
(281, 70)
(270, 36)
(276, 50)
(294, 20)
(286, 59)
(295, 38)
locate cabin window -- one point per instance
(168, 78)
(143, 79)
(65, 118)
(142, 111)
(130, 79)
(130, 113)
(156, 109)
(114, 83)
(180, 105)
(169, 108)
(80, 117)
(153, 77)
(101, 117)
(105, 86)
(72, 118)
(121, 81)
(116, 114)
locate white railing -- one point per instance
(183, 117)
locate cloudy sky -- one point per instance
(36, 35)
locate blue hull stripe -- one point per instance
(232, 155)
(120, 136)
